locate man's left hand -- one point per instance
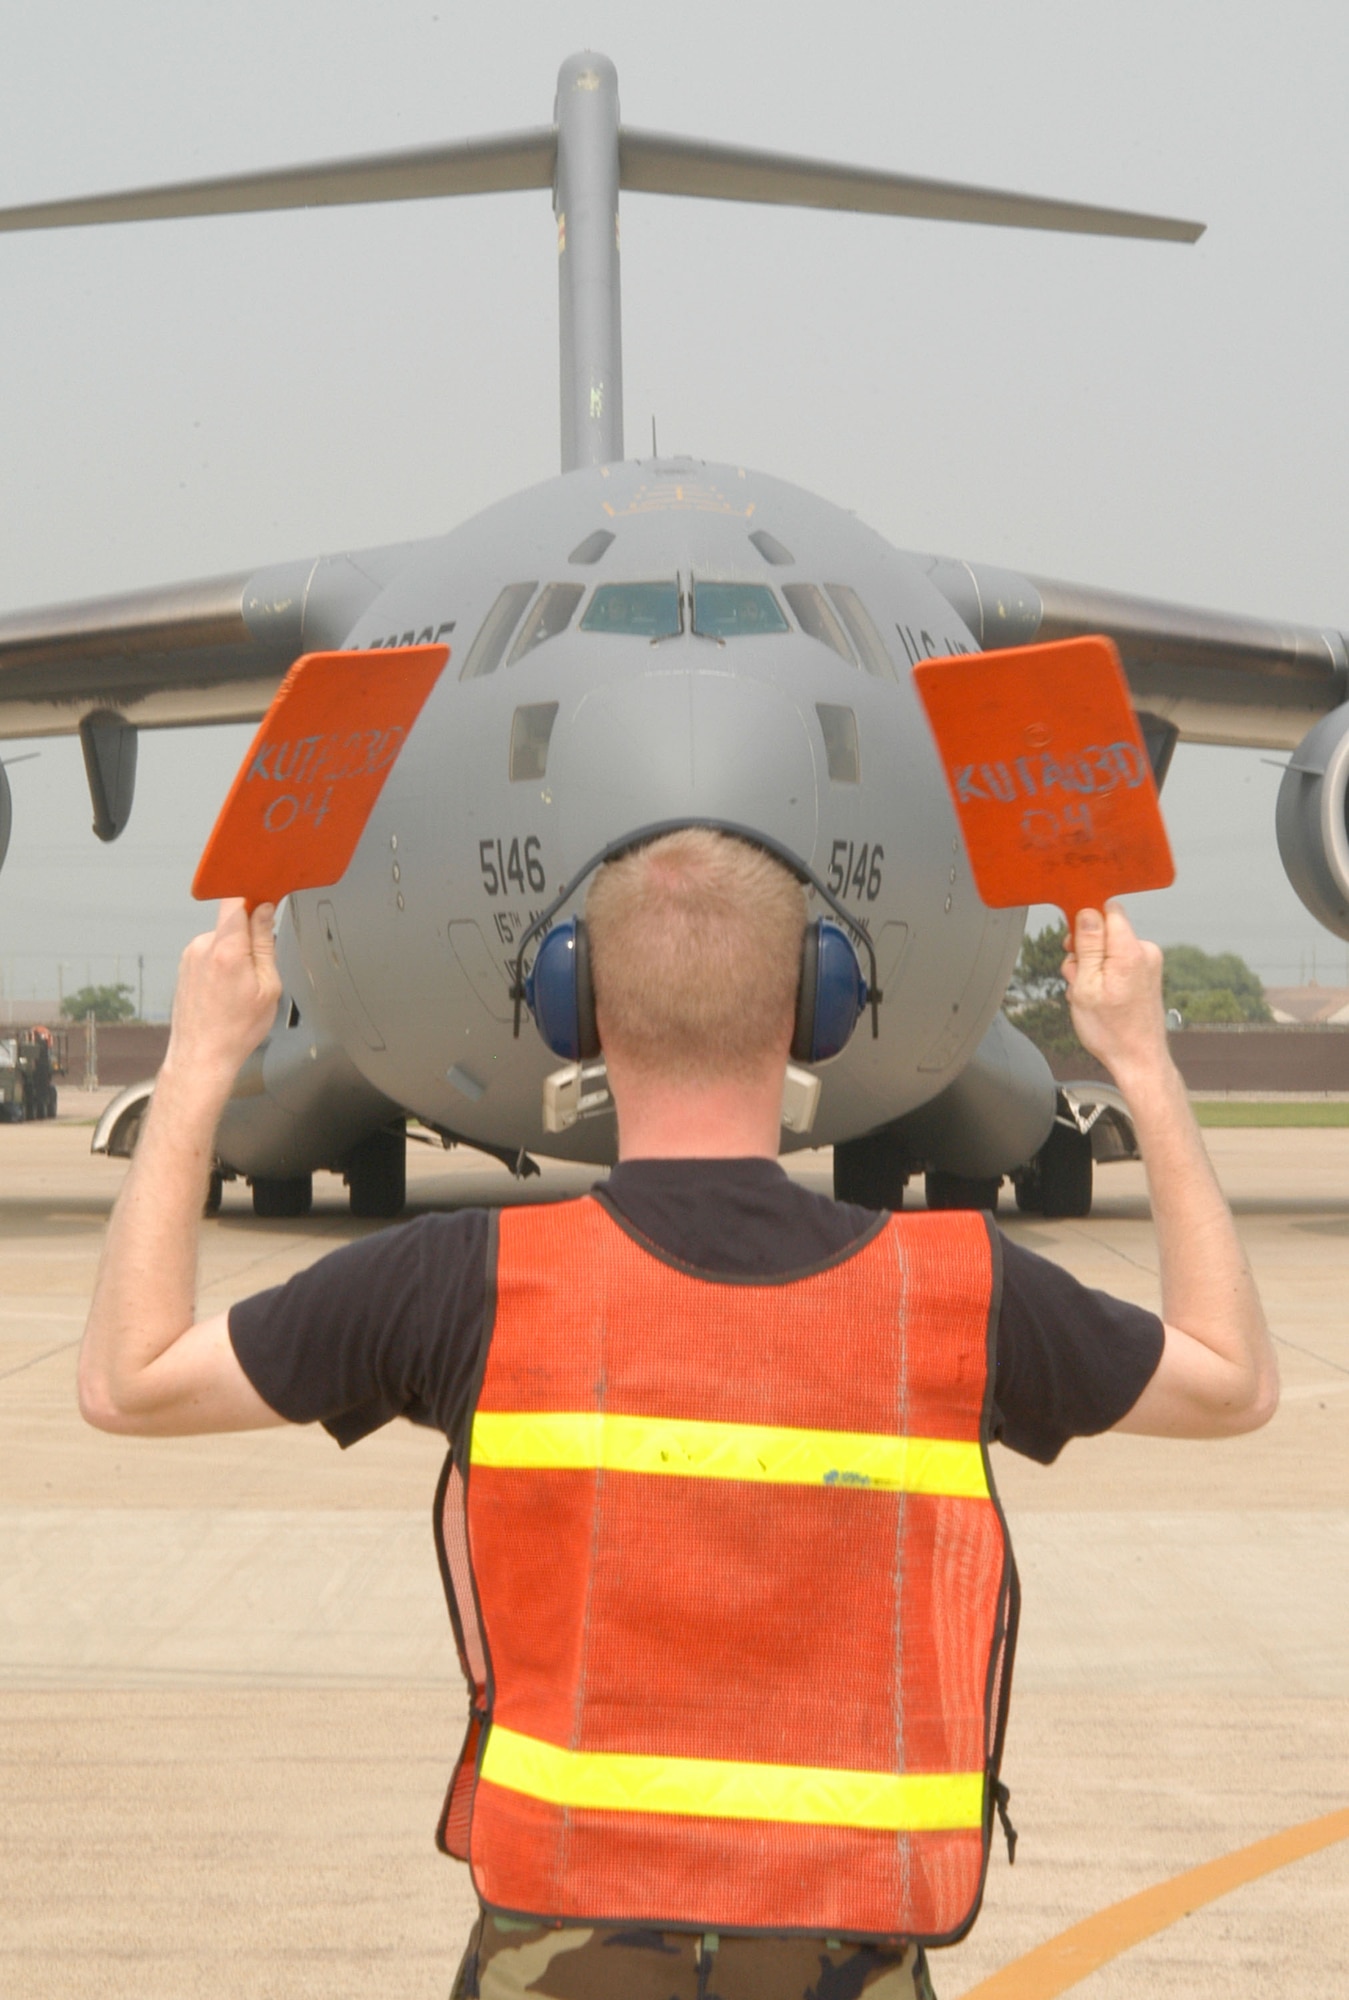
(228, 989)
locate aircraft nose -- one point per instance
(685, 746)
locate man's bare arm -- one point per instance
(1218, 1374)
(146, 1364)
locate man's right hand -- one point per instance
(147, 1364)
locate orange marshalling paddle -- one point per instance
(314, 771)
(1048, 773)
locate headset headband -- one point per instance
(641, 838)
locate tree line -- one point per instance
(1203, 988)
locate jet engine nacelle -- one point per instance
(1311, 821)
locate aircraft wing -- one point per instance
(204, 652)
(216, 651)
(1206, 676)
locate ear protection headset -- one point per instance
(831, 993)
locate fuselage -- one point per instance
(634, 644)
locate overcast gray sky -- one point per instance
(181, 399)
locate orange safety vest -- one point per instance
(731, 1585)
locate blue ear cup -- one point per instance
(831, 996)
(559, 994)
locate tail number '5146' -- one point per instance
(518, 864)
(856, 871)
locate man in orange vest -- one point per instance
(729, 1580)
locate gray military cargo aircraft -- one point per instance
(639, 642)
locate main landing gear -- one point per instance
(959, 1191)
(872, 1172)
(1058, 1181)
(375, 1172)
(283, 1200)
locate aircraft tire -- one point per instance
(51, 1101)
(870, 1172)
(215, 1189)
(283, 1199)
(1065, 1174)
(377, 1176)
(956, 1191)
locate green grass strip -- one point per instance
(1271, 1112)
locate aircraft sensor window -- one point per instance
(868, 641)
(484, 655)
(771, 549)
(531, 733)
(838, 726)
(816, 619)
(647, 610)
(552, 614)
(593, 547)
(736, 611)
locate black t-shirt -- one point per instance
(392, 1326)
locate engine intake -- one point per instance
(1311, 821)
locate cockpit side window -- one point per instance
(484, 655)
(736, 611)
(816, 619)
(646, 610)
(870, 646)
(552, 614)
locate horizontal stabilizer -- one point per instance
(498, 165)
(649, 163)
(660, 163)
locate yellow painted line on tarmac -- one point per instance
(1075, 1954)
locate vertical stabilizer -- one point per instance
(585, 197)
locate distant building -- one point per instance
(1309, 1006)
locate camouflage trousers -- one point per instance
(508, 1957)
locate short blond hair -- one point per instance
(695, 949)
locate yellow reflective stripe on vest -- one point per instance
(706, 1787)
(588, 1440)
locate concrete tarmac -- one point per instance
(229, 1703)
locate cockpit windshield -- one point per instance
(646, 610)
(735, 611)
